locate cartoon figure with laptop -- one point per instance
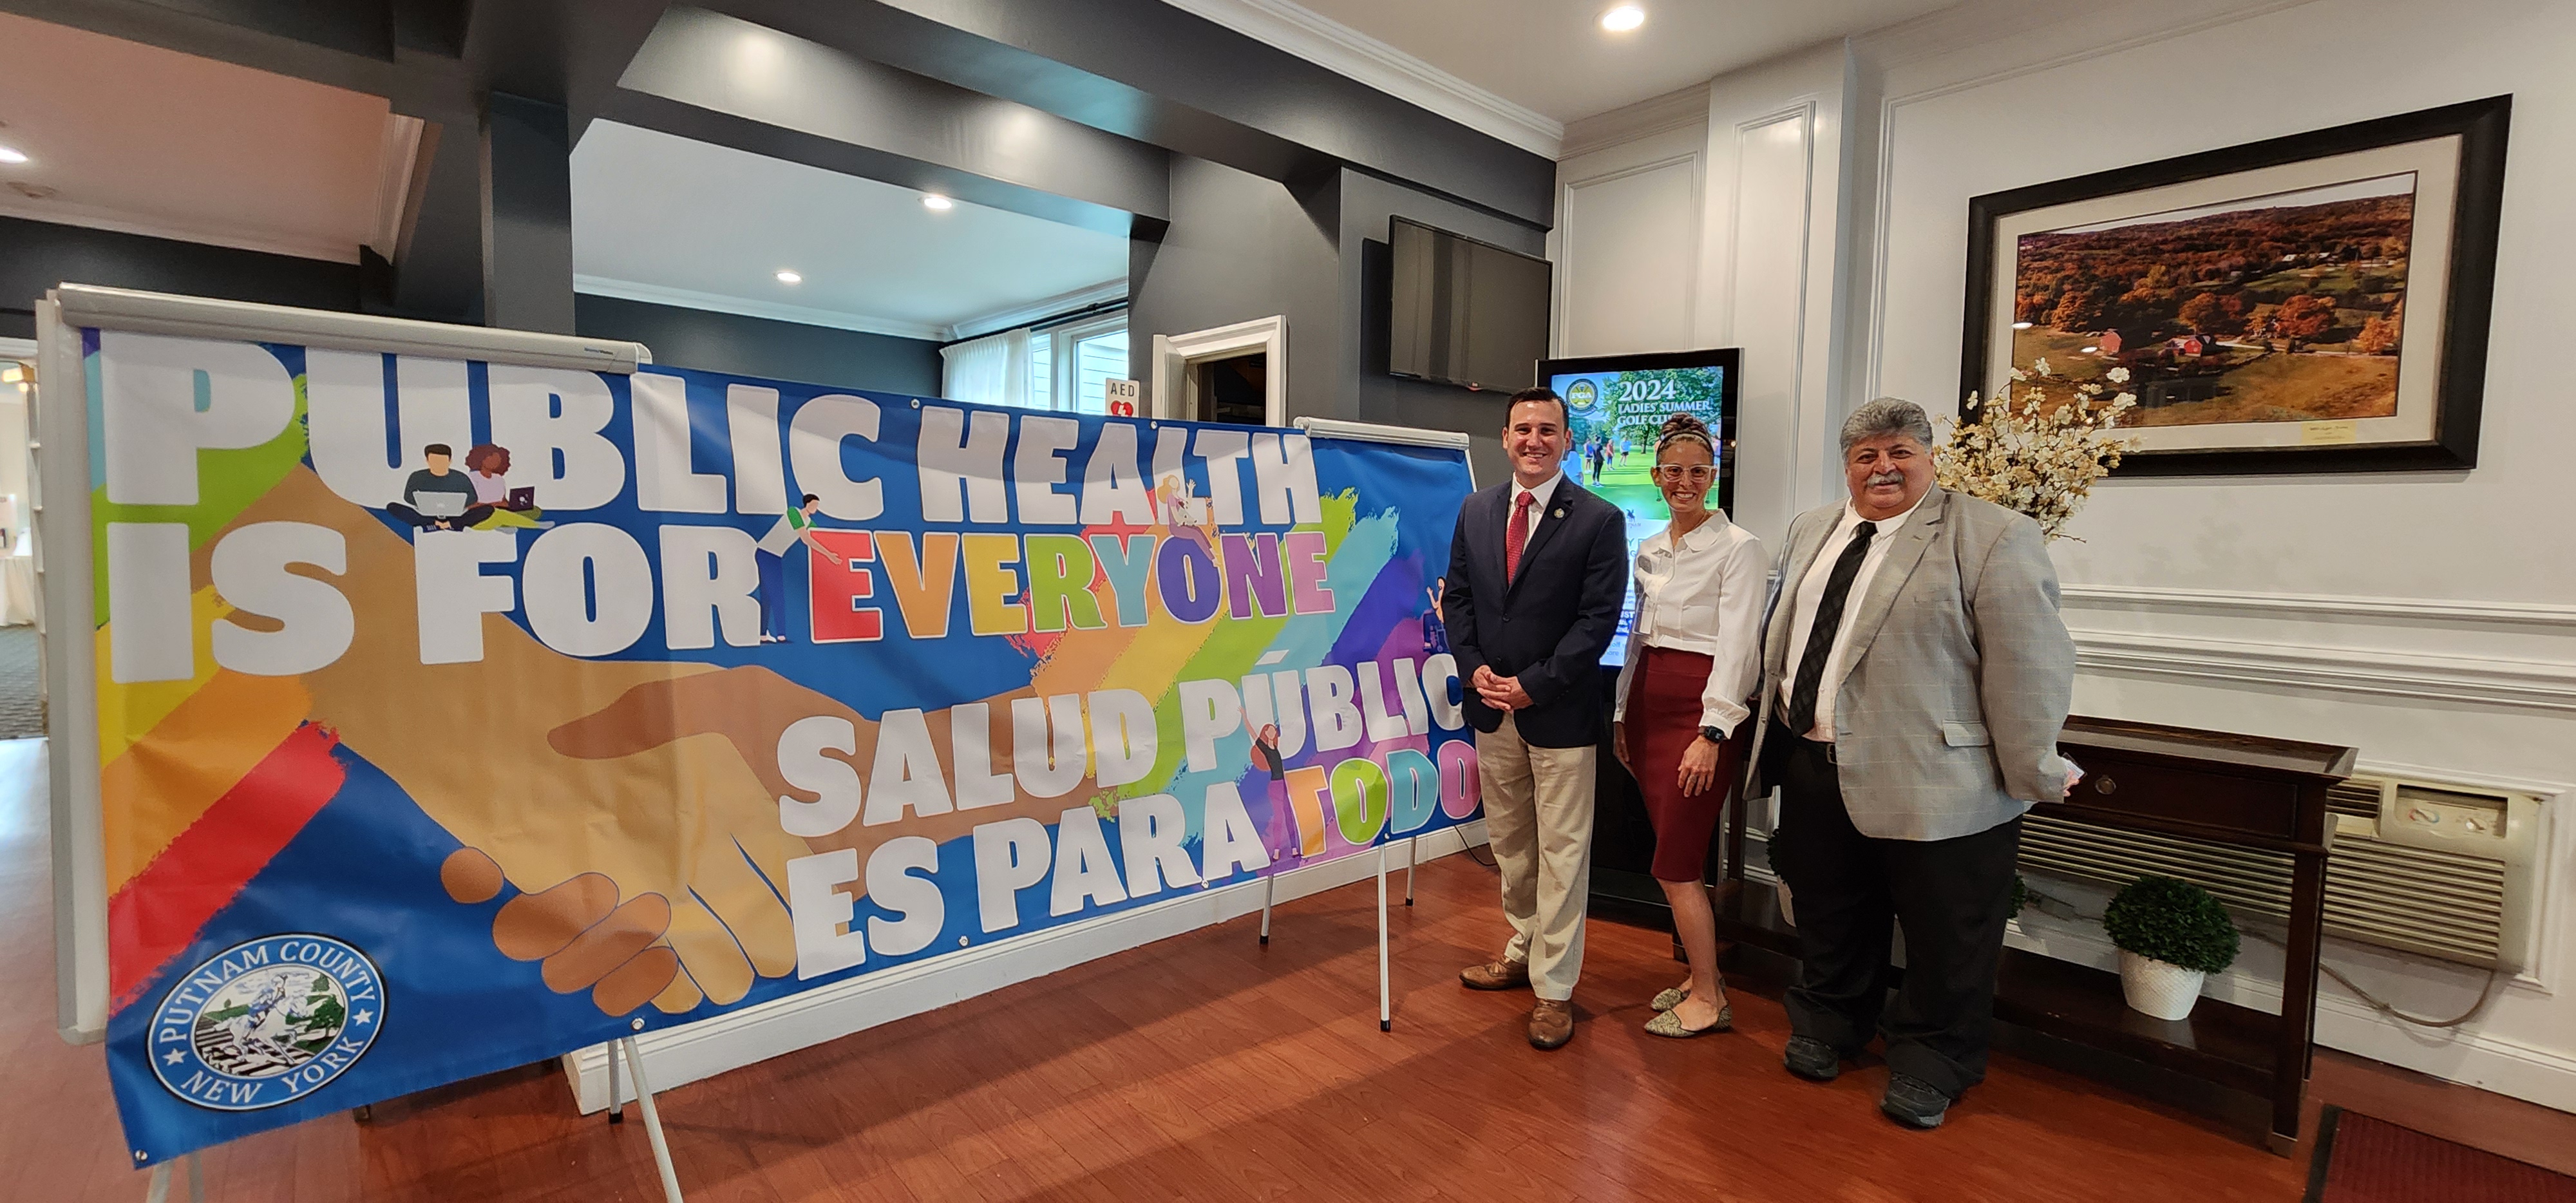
(488, 467)
(438, 497)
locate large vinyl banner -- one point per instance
(456, 715)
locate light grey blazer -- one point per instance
(1957, 678)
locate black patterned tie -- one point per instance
(1820, 635)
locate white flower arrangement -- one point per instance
(2035, 458)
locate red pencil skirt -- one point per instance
(1662, 720)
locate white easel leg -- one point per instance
(652, 1122)
(1269, 890)
(1412, 851)
(1385, 1002)
(158, 1190)
(616, 1109)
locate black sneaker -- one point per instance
(1812, 1059)
(1913, 1102)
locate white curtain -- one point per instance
(992, 370)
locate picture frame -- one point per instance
(2311, 303)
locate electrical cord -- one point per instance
(2063, 909)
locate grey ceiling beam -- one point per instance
(1146, 70)
(718, 79)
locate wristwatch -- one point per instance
(1715, 735)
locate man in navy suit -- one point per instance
(1537, 572)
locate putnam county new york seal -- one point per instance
(267, 1022)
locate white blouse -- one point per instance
(1703, 594)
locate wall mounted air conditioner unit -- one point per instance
(2439, 870)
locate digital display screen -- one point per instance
(1615, 406)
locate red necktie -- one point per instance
(1518, 536)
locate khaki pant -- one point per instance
(1538, 815)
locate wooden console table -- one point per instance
(2237, 790)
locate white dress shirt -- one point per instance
(1545, 490)
(1811, 590)
(1702, 593)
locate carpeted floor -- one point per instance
(2365, 1160)
(22, 711)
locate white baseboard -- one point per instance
(673, 1056)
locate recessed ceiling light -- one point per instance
(937, 203)
(11, 154)
(1623, 18)
(790, 278)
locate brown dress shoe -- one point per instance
(1551, 1023)
(1495, 975)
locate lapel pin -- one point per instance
(1560, 513)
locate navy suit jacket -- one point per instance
(1549, 624)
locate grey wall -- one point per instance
(750, 346)
(37, 255)
(1242, 247)
(1369, 394)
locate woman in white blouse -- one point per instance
(1694, 657)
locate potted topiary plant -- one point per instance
(2171, 935)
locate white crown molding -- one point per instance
(655, 294)
(1682, 108)
(1036, 311)
(2325, 605)
(1348, 52)
(237, 238)
(2416, 676)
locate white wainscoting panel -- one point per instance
(1628, 259)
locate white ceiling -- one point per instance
(1523, 69)
(664, 218)
(150, 141)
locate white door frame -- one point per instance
(1175, 386)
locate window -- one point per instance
(1059, 367)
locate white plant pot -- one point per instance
(2158, 988)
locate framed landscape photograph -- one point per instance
(2314, 303)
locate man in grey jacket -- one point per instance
(1916, 675)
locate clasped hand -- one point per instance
(1500, 692)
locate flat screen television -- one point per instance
(1461, 311)
(1614, 405)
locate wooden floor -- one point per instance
(1207, 1067)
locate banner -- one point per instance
(453, 716)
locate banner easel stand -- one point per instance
(1385, 999)
(1269, 894)
(652, 1117)
(159, 1190)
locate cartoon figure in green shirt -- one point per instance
(794, 527)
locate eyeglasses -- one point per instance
(1698, 474)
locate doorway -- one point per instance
(1236, 374)
(1231, 390)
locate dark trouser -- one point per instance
(1951, 896)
